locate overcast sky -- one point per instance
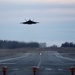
(56, 17)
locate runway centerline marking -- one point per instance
(48, 69)
(39, 61)
(60, 69)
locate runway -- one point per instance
(47, 62)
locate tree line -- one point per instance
(68, 44)
(4, 44)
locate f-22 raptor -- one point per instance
(29, 22)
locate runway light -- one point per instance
(4, 68)
(34, 70)
(72, 70)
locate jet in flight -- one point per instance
(29, 22)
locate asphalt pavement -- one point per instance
(47, 63)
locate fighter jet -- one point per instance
(29, 22)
